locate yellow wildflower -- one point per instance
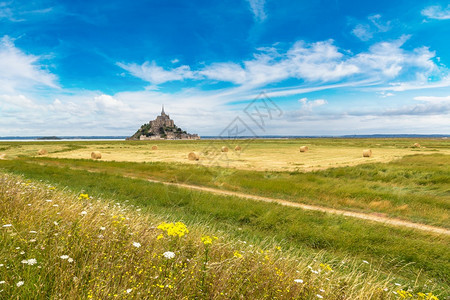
(178, 229)
(404, 294)
(83, 197)
(207, 240)
(237, 254)
(326, 267)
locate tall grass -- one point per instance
(413, 188)
(59, 246)
(301, 231)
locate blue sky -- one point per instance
(332, 67)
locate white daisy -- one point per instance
(169, 254)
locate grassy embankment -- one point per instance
(54, 245)
(295, 230)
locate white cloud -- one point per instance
(109, 103)
(379, 24)
(175, 60)
(257, 7)
(155, 74)
(384, 94)
(14, 13)
(320, 62)
(366, 30)
(230, 72)
(363, 32)
(21, 71)
(17, 100)
(7, 13)
(308, 105)
(433, 98)
(420, 84)
(389, 59)
(437, 12)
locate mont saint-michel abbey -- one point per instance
(163, 128)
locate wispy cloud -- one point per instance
(366, 30)
(420, 84)
(155, 74)
(433, 98)
(6, 12)
(437, 12)
(257, 7)
(308, 105)
(319, 62)
(363, 32)
(432, 108)
(21, 71)
(15, 13)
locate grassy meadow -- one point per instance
(235, 248)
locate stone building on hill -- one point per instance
(162, 128)
(161, 121)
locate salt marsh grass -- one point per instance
(57, 244)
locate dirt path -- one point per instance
(364, 216)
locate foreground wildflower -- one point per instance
(237, 254)
(169, 254)
(178, 229)
(207, 240)
(326, 267)
(404, 294)
(20, 283)
(83, 197)
(428, 296)
(136, 244)
(31, 261)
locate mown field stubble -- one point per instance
(398, 181)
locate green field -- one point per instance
(412, 187)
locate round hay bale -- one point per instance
(416, 145)
(96, 155)
(224, 149)
(42, 152)
(237, 148)
(154, 147)
(2, 156)
(193, 156)
(367, 153)
(304, 148)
